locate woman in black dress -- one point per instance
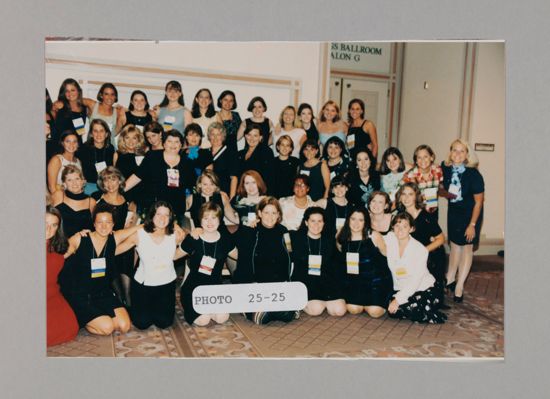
(231, 119)
(256, 155)
(96, 153)
(70, 110)
(363, 178)
(285, 167)
(257, 107)
(315, 169)
(312, 255)
(75, 206)
(465, 189)
(85, 279)
(154, 133)
(366, 278)
(250, 192)
(426, 229)
(130, 154)
(306, 121)
(264, 255)
(337, 207)
(166, 175)
(137, 114)
(224, 159)
(111, 183)
(361, 132)
(379, 206)
(207, 255)
(336, 156)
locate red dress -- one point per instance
(60, 320)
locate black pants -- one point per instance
(153, 305)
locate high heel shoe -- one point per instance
(458, 299)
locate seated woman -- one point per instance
(363, 177)
(293, 207)
(365, 274)
(208, 190)
(256, 155)
(285, 167)
(154, 134)
(199, 158)
(207, 256)
(315, 169)
(153, 288)
(85, 279)
(287, 127)
(75, 206)
(416, 292)
(137, 114)
(257, 107)
(250, 192)
(60, 319)
(392, 169)
(426, 231)
(313, 265)
(379, 205)
(264, 256)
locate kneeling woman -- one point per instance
(313, 265)
(366, 277)
(153, 288)
(416, 292)
(85, 279)
(207, 256)
(264, 255)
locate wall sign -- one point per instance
(360, 56)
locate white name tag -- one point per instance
(352, 262)
(304, 172)
(207, 265)
(99, 166)
(401, 272)
(256, 297)
(454, 189)
(78, 124)
(340, 222)
(351, 140)
(332, 175)
(98, 267)
(140, 128)
(173, 177)
(314, 265)
(139, 159)
(430, 197)
(168, 122)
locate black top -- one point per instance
(231, 129)
(76, 278)
(315, 178)
(263, 256)
(74, 221)
(359, 193)
(373, 266)
(90, 156)
(64, 121)
(242, 209)
(138, 120)
(121, 212)
(153, 172)
(261, 161)
(340, 169)
(127, 164)
(199, 248)
(284, 173)
(362, 139)
(471, 183)
(312, 133)
(265, 129)
(425, 227)
(334, 211)
(198, 201)
(225, 166)
(302, 247)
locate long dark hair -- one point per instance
(61, 96)
(384, 169)
(58, 243)
(90, 140)
(173, 84)
(345, 233)
(418, 200)
(196, 111)
(149, 225)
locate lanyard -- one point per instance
(309, 246)
(204, 248)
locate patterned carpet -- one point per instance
(475, 329)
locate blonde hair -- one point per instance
(140, 146)
(213, 178)
(322, 113)
(281, 122)
(471, 158)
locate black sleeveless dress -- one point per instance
(362, 139)
(74, 221)
(264, 128)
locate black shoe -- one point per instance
(458, 299)
(451, 287)
(444, 307)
